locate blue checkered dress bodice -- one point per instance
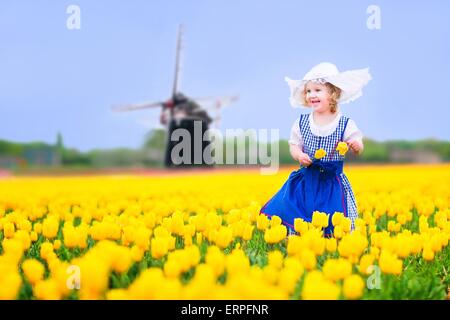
(311, 142)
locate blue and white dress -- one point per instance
(322, 186)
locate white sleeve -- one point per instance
(352, 132)
(296, 136)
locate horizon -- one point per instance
(140, 147)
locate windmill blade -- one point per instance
(176, 82)
(231, 98)
(132, 107)
(216, 102)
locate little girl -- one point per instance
(317, 144)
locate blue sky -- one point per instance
(54, 79)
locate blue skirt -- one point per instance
(315, 188)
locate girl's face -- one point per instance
(317, 96)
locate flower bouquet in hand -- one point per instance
(342, 148)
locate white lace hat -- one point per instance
(350, 82)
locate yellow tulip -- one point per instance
(137, 253)
(198, 238)
(300, 225)
(237, 263)
(320, 153)
(8, 230)
(271, 274)
(353, 287)
(216, 259)
(46, 250)
(33, 236)
(428, 253)
(275, 259)
(318, 219)
(295, 245)
(262, 222)
(389, 263)
(337, 218)
(338, 232)
(337, 269)
(57, 244)
(366, 261)
(159, 247)
(288, 280)
(248, 232)
(331, 245)
(172, 269)
(224, 237)
(342, 148)
(11, 283)
(308, 259)
(33, 270)
(47, 290)
(117, 294)
(316, 287)
(275, 221)
(50, 227)
(142, 238)
(121, 259)
(38, 228)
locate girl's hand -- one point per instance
(304, 159)
(356, 146)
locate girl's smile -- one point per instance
(317, 96)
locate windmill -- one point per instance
(181, 111)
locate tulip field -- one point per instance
(199, 235)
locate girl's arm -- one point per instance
(299, 156)
(295, 145)
(362, 148)
(353, 136)
(357, 146)
(295, 151)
